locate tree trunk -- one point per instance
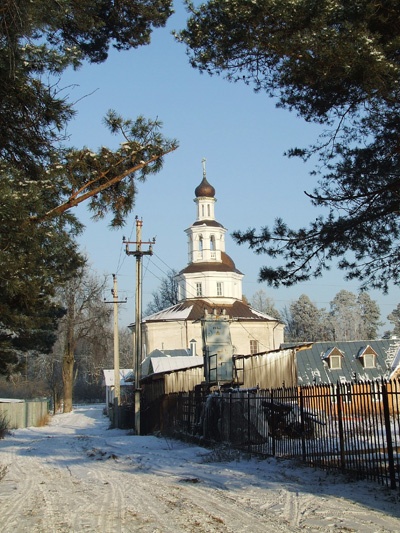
(68, 363)
(68, 379)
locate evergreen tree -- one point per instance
(34, 260)
(305, 321)
(41, 177)
(345, 316)
(394, 318)
(336, 64)
(39, 40)
(370, 317)
(354, 317)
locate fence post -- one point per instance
(303, 438)
(340, 425)
(273, 423)
(386, 414)
(222, 417)
(248, 423)
(189, 411)
(230, 418)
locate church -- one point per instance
(210, 283)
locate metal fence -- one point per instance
(354, 427)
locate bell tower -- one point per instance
(210, 273)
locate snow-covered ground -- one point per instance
(78, 475)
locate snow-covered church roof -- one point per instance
(194, 310)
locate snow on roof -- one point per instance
(395, 363)
(186, 310)
(263, 315)
(175, 312)
(167, 364)
(109, 376)
(170, 353)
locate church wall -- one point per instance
(178, 334)
(268, 334)
(171, 335)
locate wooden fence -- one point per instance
(24, 413)
(354, 427)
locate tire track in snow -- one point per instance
(215, 510)
(69, 479)
(21, 497)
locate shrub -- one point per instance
(3, 425)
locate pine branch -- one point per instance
(75, 199)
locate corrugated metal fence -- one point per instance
(354, 427)
(24, 413)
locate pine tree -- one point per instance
(336, 64)
(370, 317)
(305, 321)
(41, 177)
(394, 317)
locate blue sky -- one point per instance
(243, 138)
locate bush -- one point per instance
(3, 425)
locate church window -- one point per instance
(208, 210)
(200, 243)
(219, 288)
(212, 243)
(202, 210)
(253, 347)
(199, 289)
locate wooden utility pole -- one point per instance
(117, 378)
(138, 253)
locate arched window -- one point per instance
(208, 210)
(212, 243)
(200, 243)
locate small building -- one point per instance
(168, 360)
(346, 374)
(345, 361)
(125, 384)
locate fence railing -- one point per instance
(354, 427)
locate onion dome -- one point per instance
(204, 189)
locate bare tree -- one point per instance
(166, 295)
(265, 304)
(87, 320)
(125, 348)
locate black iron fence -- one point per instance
(354, 427)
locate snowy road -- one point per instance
(75, 475)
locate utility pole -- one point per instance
(138, 253)
(117, 387)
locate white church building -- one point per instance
(210, 283)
